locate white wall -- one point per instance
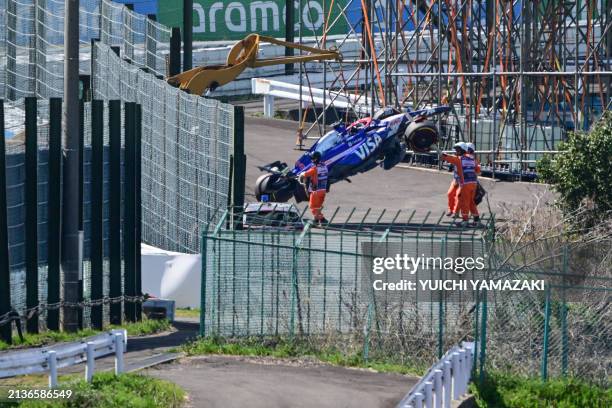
(171, 275)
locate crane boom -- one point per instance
(243, 55)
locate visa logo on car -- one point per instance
(369, 146)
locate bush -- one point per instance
(510, 391)
(109, 391)
(582, 171)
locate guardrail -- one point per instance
(51, 358)
(447, 380)
(271, 89)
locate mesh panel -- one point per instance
(279, 283)
(186, 143)
(32, 40)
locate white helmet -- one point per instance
(471, 147)
(462, 145)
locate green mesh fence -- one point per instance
(306, 283)
(186, 145)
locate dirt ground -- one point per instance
(400, 188)
(230, 381)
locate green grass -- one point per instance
(187, 312)
(284, 348)
(110, 391)
(510, 391)
(144, 327)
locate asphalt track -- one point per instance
(257, 382)
(400, 188)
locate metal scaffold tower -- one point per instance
(519, 74)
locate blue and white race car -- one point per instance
(347, 150)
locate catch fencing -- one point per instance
(187, 140)
(308, 284)
(187, 150)
(32, 42)
(273, 282)
(30, 174)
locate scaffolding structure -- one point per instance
(519, 74)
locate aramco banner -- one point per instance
(235, 19)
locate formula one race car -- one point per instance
(379, 140)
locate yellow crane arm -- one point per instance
(243, 55)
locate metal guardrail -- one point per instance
(53, 357)
(447, 380)
(271, 89)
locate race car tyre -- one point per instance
(394, 156)
(279, 189)
(420, 136)
(300, 193)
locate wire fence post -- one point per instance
(96, 240)
(546, 335)
(5, 271)
(483, 338)
(174, 57)
(114, 117)
(31, 208)
(203, 293)
(239, 163)
(54, 199)
(187, 34)
(564, 333)
(138, 208)
(366, 334)
(129, 211)
(441, 306)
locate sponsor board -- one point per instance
(233, 20)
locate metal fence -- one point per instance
(187, 147)
(187, 140)
(309, 284)
(271, 282)
(108, 202)
(32, 41)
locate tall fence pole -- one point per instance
(546, 335)
(96, 240)
(174, 58)
(187, 34)
(239, 162)
(114, 118)
(138, 209)
(31, 199)
(70, 219)
(5, 271)
(203, 293)
(54, 199)
(289, 32)
(483, 336)
(129, 213)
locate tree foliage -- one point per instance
(582, 171)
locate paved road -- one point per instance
(267, 140)
(228, 381)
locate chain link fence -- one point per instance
(186, 145)
(17, 202)
(32, 41)
(307, 284)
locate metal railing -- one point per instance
(446, 381)
(50, 359)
